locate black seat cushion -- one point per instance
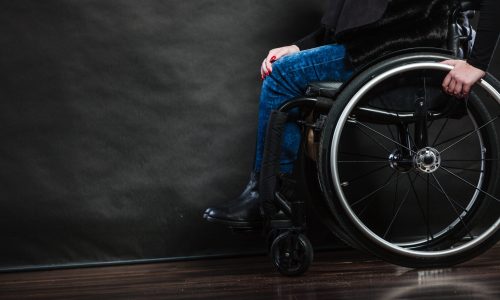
(327, 89)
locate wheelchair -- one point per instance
(392, 164)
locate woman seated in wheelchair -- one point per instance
(354, 34)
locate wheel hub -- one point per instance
(427, 160)
(399, 162)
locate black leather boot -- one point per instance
(242, 212)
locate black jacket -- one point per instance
(342, 15)
(370, 28)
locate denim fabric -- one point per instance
(289, 79)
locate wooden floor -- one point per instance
(334, 275)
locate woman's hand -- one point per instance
(273, 56)
(460, 80)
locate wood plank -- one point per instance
(334, 275)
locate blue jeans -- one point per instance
(289, 79)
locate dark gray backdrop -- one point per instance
(120, 121)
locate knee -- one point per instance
(282, 66)
(280, 79)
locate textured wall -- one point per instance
(120, 121)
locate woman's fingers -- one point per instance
(274, 55)
(449, 82)
(269, 68)
(455, 88)
(466, 89)
(267, 63)
(459, 81)
(457, 91)
(263, 69)
(446, 82)
(451, 87)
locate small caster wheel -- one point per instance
(292, 253)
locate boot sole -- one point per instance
(234, 224)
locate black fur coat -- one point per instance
(405, 24)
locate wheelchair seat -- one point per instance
(326, 89)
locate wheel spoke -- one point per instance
(387, 108)
(362, 155)
(440, 131)
(364, 175)
(383, 135)
(364, 209)
(471, 160)
(390, 131)
(395, 194)
(389, 181)
(439, 190)
(373, 139)
(451, 204)
(362, 161)
(430, 124)
(425, 219)
(397, 211)
(469, 134)
(467, 182)
(463, 169)
(454, 138)
(428, 198)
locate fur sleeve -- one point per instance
(405, 24)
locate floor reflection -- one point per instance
(355, 280)
(442, 283)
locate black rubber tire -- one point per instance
(330, 194)
(291, 253)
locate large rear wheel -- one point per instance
(409, 172)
